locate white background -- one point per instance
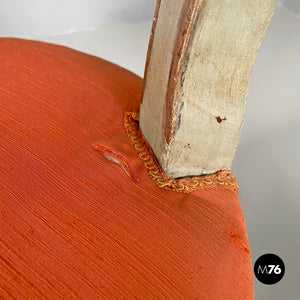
(39, 17)
(267, 162)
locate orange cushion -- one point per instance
(77, 222)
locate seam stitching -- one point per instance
(220, 180)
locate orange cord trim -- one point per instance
(220, 180)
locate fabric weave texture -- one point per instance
(77, 223)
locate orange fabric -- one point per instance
(80, 217)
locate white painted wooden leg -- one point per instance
(200, 59)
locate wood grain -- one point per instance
(197, 80)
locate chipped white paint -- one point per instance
(209, 99)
